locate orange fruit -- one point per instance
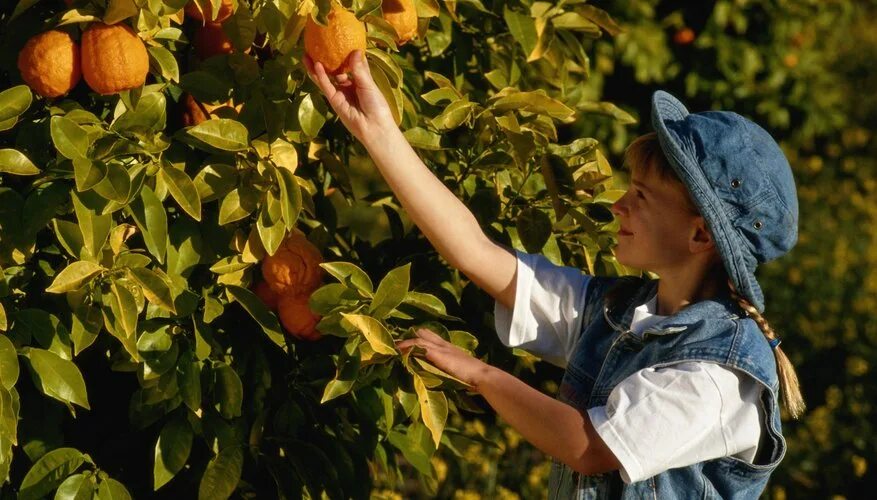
(295, 268)
(297, 318)
(684, 36)
(203, 10)
(332, 44)
(210, 41)
(267, 295)
(402, 15)
(113, 58)
(195, 112)
(49, 63)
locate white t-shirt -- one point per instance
(657, 418)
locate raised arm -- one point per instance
(443, 218)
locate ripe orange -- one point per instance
(684, 36)
(295, 268)
(210, 41)
(205, 12)
(297, 318)
(402, 15)
(267, 295)
(331, 44)
(49, 63)
(114, 58)
(194, 112)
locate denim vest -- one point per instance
(714, 330)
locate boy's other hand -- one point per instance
(356, 99)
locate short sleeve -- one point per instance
(715, 408)
(547, 315)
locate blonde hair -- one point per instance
(644, 154)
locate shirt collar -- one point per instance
(621, 316)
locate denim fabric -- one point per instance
(714, 330)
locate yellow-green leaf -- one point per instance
(375, 332)
(74, 276)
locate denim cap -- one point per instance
(740, 181)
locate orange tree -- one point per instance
(136, 355)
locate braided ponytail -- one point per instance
(789, 386)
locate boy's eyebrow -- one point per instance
(640, 185)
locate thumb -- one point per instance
(362, 76)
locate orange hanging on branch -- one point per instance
(402, 16)
(297, 318)
(332, 44)
(114, 58)
(49, 63)
(295, 268)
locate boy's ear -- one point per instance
(702, 238)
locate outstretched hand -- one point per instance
(447, 357)
(356, 99)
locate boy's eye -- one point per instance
(640, 194)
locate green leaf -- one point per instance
(609, 196)
(14, 101)
(375, 332)
(433, 409)
(237, 204)
(229, 393)
(70, 237)
(290, 196)
(57, 377)
(257, 309)
(76, 487)
(523, 29)
(8, 363)
(222, 475)
(154, 287)
(124, 308)
(608, 109)
(600, 17)
(46, 328)
(215, 181)
(119, 10)
(346, 372)
(163, 62)
(70, 139)
(391, 93)
(74, 276)
(427, 303)
(349, 274)
(580, 146)
(148, 116)
(534, 102)
(110, 489)
(86, 325)
(230, 264)
(171, 450)
(87, 173)
(94, 228)
(116, 185)
(150, 216)
(15, 162)
(534, 228)
(391, 291)
(222, 133)
(50, 471)
(421, 138)
(309, 117)
(454, 115)
(189, 379)
(182, 189)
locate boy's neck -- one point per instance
(675, 295)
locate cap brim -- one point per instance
(739, 265)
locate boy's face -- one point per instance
(658, 227)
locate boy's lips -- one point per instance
(624, 232)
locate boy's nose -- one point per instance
(618, 207)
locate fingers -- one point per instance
(430, 335)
